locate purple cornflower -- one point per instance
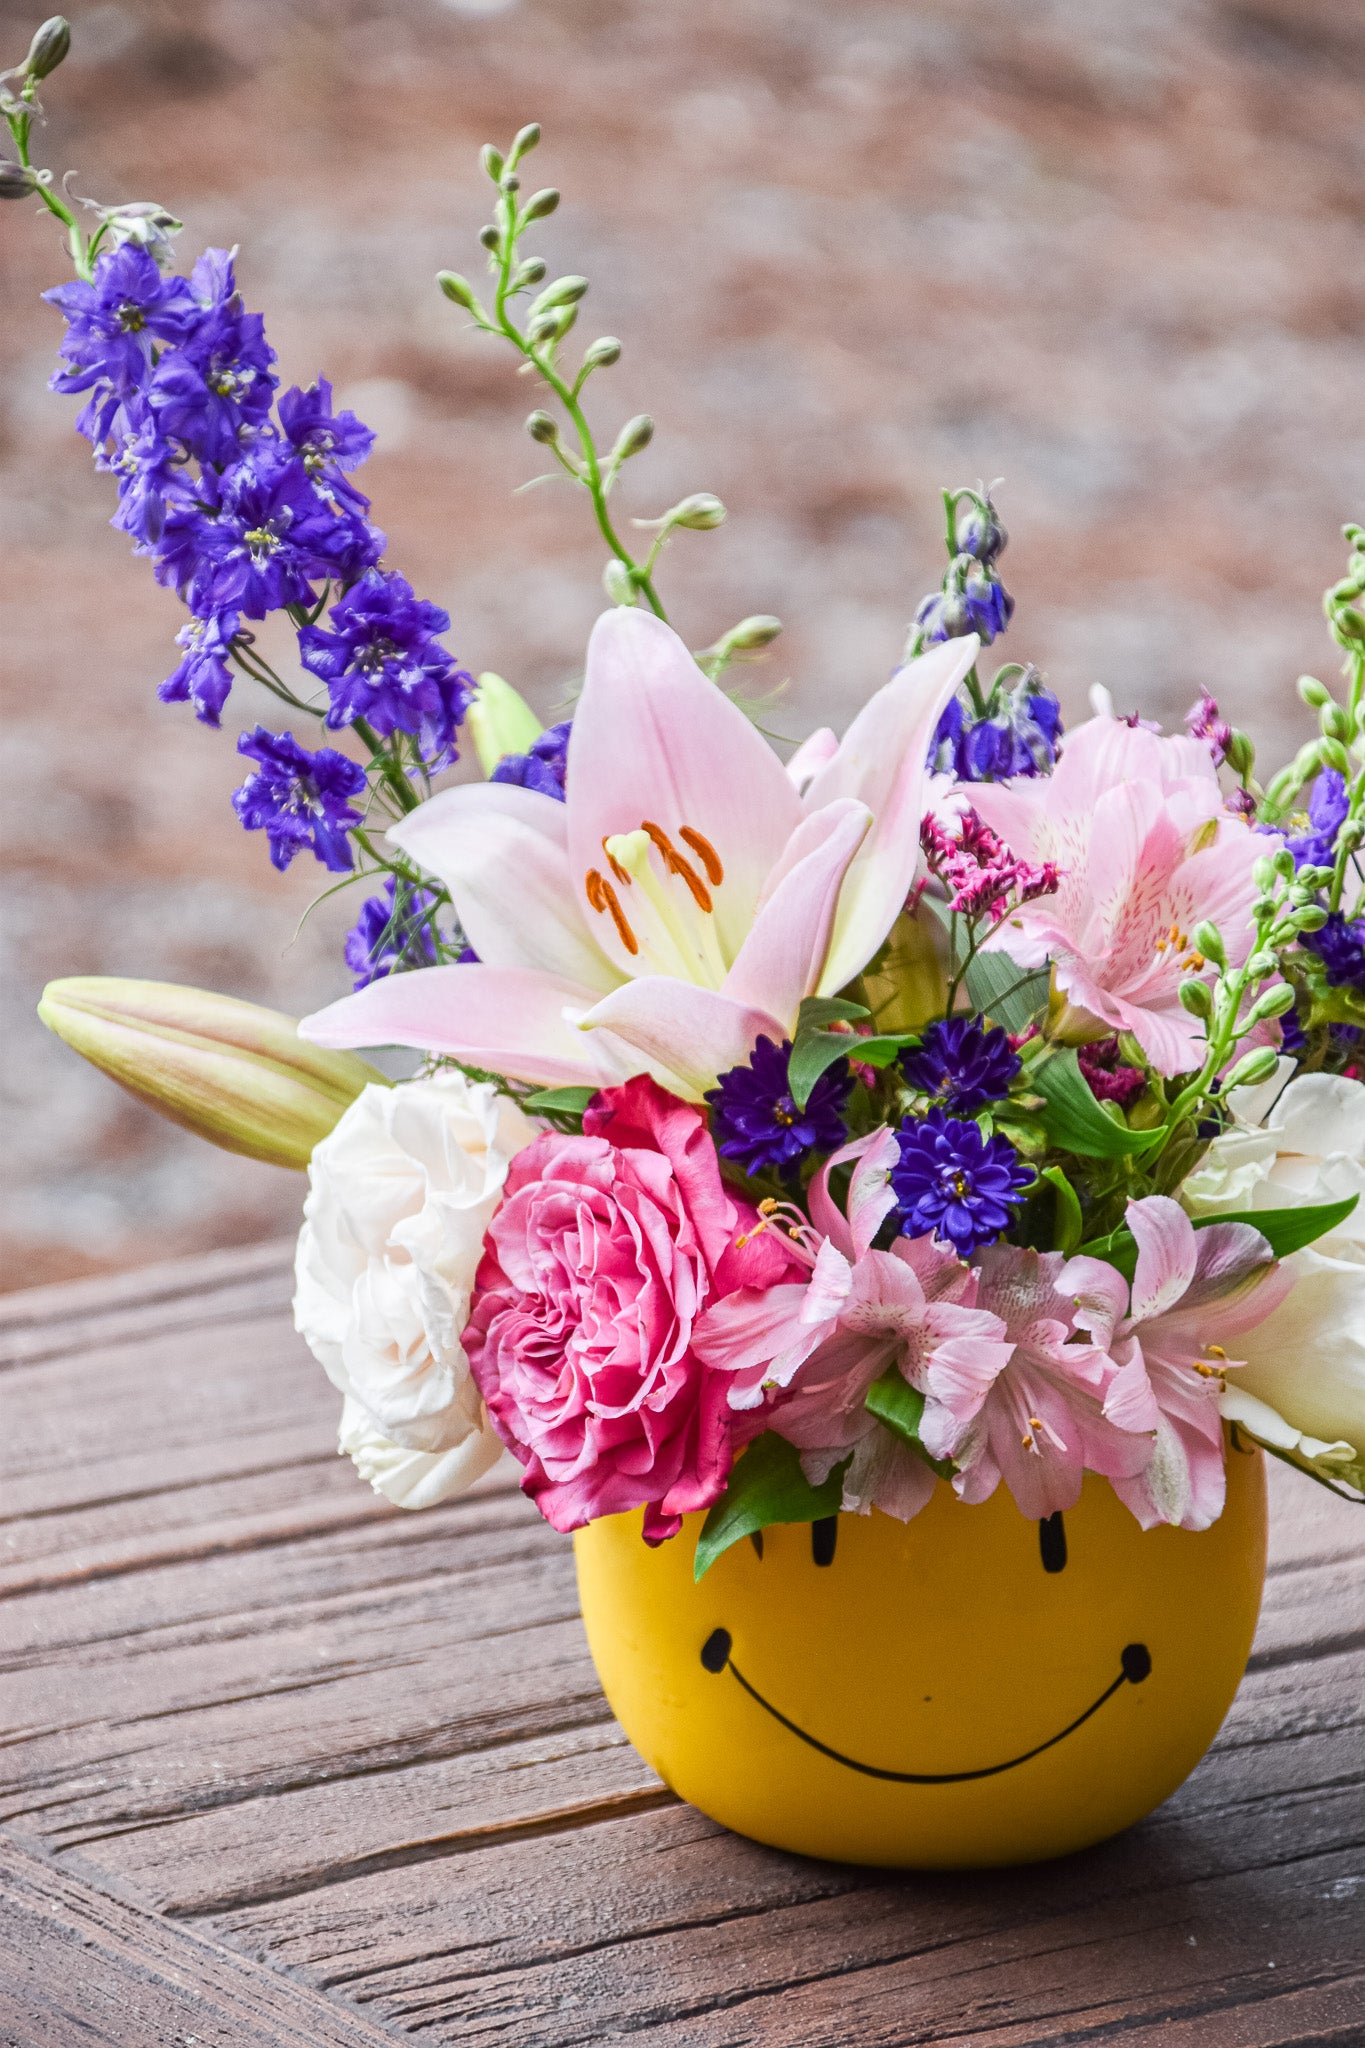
(382, 662)
(112, 325)
(542, 767)
(1204, 722)
(1109, 1079)
(327, 443)
(393, 931)
(962, 1063)
(755, 1121)
(203, 677)
(955, 1183)
(1340, 945)
(1328, 806)
(213, 392)
(299, 799)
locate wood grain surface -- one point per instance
(281, 1764)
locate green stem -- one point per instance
(389, 766)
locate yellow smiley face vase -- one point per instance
(969, 1688)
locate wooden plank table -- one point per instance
(281, 1764)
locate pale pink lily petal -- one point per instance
(654, 741)
(509, 1020)
(811, 756)
(503, 854)
(780, 961)
(687, 1033)
(882, 762)
(1167, 1255)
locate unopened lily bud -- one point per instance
(618, 582)
(1251, 1068)
(15, 181)
(525, 140)
(1240, 753)
(49, 46)
(501, 721)
(541, 427)
(457, 289)
(1209, 941)
(603, 353)
(236, 1073)
(1334, 755)
(1313, 692)
(540, 204)
(565, 291)
(1273, 1003)
(491, 159)
(1195, 997)
(636, 434)
(700, 512)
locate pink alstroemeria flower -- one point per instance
(1192, 1289)
(1030, 1410)
(683, 900)
(805, 1353)
(1137, 828)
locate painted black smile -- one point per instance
(1135, 1663)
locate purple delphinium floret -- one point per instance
(755, 1121)
(542, 767)
(381, 661)
(203, 677)
(149, 481)
(394, 930)
(1328, 807)
(962, 1064)
(113, 324)
(1340, 945)
(980, 604)
(299, 799)
(955, 1183)
(327, 443)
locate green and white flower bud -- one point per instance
(1333, 754)
(491, 159)
(15, 181)
(1283, 862)
(1208, 940)
(1251, 1068)
(1273, 1003)
(550, 326)
(700, 512)
(501, 721)
(1313, 693)
(752, 633)
(1260, 965)
(1241, 752)
(458, 289)
(525, 141)
(565, 291)
(49, 46)
(491, 238)
(636, 434)
(540, 204)
(603, 353)
(237, 1074)
(1335, 723)
(541, 427)
(1311, 918)
(618, 582)
(1263, 874)
(529, 272)
(1196, 997)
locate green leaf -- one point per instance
(1074, 1120)
(1008, 993)
(572, 1101)
(901, 1407)
(1069, 1223)
(811, 1055)
(1288, 1230)
(816, 1011)
(767, 1485)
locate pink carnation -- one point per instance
(606, 1250)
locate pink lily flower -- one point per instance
(1191, 1290)
(805, 1353)
(1136, 826)
(1031, 1409)
(684, 899)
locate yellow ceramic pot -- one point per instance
(969, 1688)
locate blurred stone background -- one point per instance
(1111, 250)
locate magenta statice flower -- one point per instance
(382, 661)
(755, 1121)
(394, 930)
(955, 1183)
(1328, 807)
(962, 1064)
(203, 677)
(1110, 1080)
(299, 799)
(112, 326)
(542, 767)
(984, 876)
(1204, 721)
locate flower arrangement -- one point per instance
(961, 1103)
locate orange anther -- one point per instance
(602, 896)
(706, 854)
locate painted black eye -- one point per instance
(823, 1537)
(1052, 1543)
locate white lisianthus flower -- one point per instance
(1302, 1389)
(401, 1193)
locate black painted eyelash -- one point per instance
(1052, 1543)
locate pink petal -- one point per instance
(689, 1036)
(1167, 1254)
(1100, 1293)
(503, 854)
(779, 963)
(811, 756)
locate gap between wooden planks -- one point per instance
(267, 1739)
